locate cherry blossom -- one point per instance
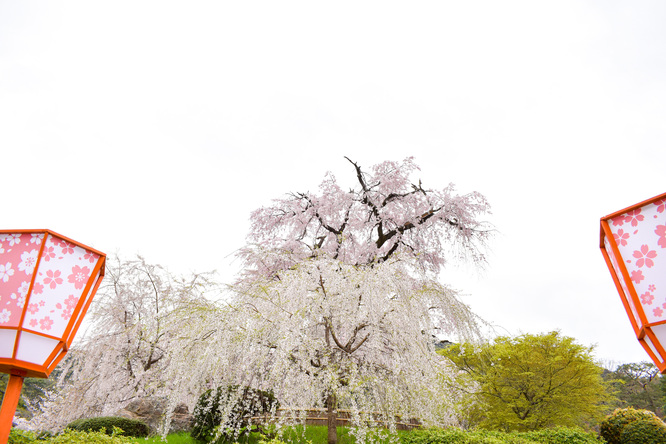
(52, 278)
(645, 256)
(4, 316)
(661, 232)
(79, 276)
(66, 314)
(6, 271)
(28, 261)
(634, 217)
(33, 308)
(36, 238)
(45, 323)
(618, 221)
(71, 301)
(37, 288)
(91, 257)
(661, 205)
(652, 287)
(20, 299)
(33, 323)
(67, 247)
(621, 237)
(658, 312)
(11, 239)
(647, 298)
(48, 254)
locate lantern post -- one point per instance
(47, 282)
(633, 243)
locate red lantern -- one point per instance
(633, 242)
(47, 283)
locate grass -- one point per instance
(296, 434)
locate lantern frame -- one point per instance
(615, 245)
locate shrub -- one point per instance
(236, 404)
(17, 436)
(561, 435)
(644, 431)
(105, 424)
(611, 428)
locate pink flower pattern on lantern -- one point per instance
(661, 205)
(645, 256)
(647, 298)
(634, 217)
(79, 276)
(67, 248)
(661, 232)
(640, 237)
(621, 237)
(48, 254)
(45, 323)
(53, 278)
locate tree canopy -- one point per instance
(338, 300)
(531, 382)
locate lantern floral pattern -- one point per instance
(640, 236)
(52, 291)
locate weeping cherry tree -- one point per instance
(339, 300)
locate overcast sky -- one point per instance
(157, 127)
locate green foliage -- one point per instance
(70, 437)
(17, 436)
(106, 424)
(644, 431)
(612, 427)
(638, 385)
(247, 403)
(557, 435)
(561, 435)
(531, 382)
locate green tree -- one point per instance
(531, 382)
(638, 385)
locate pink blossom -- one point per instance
(621, 237)
(661, 205)
(658, 312)
(79, 276)
(618, 221)
(66, 314)
(6, 271)
(647, 298)
(33, 308)
(33, 322)
(637, 276)
(634, 217)
(48, 254)
(53, 278)
(661, 232)
(91, 257)
(45, 323)
(67, 247)
(71, 301)
(37, 288)
(652, 287)
(645, 256)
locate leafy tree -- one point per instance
(532, 381)
(638, 385)
(123, 356)
(339, 300)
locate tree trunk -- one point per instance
(331, 419)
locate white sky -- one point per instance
(156, 127)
